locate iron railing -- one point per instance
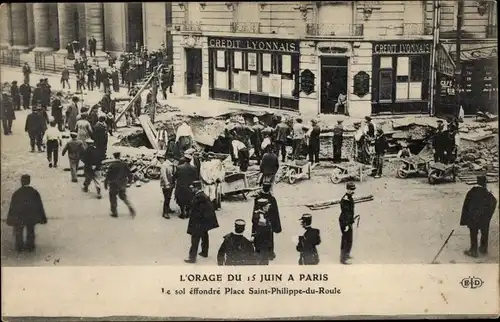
(10, 58)
(416, 29)
(491, 31)
(326, 29)
(45, 62)
(191, 26)
(246, 27)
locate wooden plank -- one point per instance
(334, 202)
(149, 130)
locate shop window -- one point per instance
(385, 85)
(221, 79)
(409, 79)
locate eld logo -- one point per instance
(472, 282)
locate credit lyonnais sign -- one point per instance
(402, 48)
(280, 45)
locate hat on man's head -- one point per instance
(255, 119)
(89, 141)
(117, 154)
(59, 93)
(439, 121)
(196, 184)
(73, 134)
(239, 223)
(25, 179)
(340, 121)
(481, 180)
(306, 218)
(368, 118)
(350, 186)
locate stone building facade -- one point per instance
(117, 27)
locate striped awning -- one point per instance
(472, 52)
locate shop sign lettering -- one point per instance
(254, 44)
(401, 48)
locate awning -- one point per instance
(472, 52)
(444, 63)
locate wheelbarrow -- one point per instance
(440, 172)
(350, 171)
(297, 170)
(414, 165)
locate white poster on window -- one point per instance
(221, 59)
(266, 84)
(275, 87)
(266, 63)
(385, 62)
(254, 83)
(402, 91)
(416, 90)
(287, 86)
(244, 82)
(236, 82)
(252, 61)
(220, 79)
(286, 64)
(403, 66)
(238, 62)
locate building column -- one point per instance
(41, 13)
(5, 26)
(19, 26)
(115, 26)
(66, 25)
(95, 25)
(30, 24)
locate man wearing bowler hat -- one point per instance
(117, 178)
(307, 243)
(202, 219)
(236, 249)
(92, 161)
(346, 221)
(478, 208)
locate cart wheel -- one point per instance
(401, 173)
(292, 176)
(433, 176)
(336, 176)
(153, 173)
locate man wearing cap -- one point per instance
(282, 132)
(265, 223)
(438, 143)
(257, 138)
(92, 161)
(8, 114)
(313, 136)
(72, 114)
(35, 126)
(26, 210)
(307, 243)
(346, 220)
(381, 146)
(477, 211)
(117, 178)
(338, 138)
(90, 78)
(166, 184)
(100, 136)
(75, 149)
(15, 96)
(202, 219)
(236, 249)
(269, 166)
(184, 176)
(57, 111)
(25, 91)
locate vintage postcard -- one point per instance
(249, 160)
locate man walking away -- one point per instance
(346, 221)
(65, 77)
(236, 249)
(15, 96)
(381, 146)
(53, 140)
(100, 136)
(202, 219)
(338, 138)
(307, 243)
(35, 126)
(478, 208)
(269, 166)
(167, 184)
(298, 138)
(8, 114)
(117, 177)
(92, 162)
(25, 91)
(257, 138)
(56, 112)
(75, 149)
(282, 132)
(184, 176)
(26, 210)
(313, 143)
(26, 73)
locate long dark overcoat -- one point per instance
(26, 208)
(202, 216)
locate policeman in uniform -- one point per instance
(236, 249)
(307, 243)
(346, 221)
(438, 143)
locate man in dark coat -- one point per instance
(307, 243)
(8, 114)
(15, 96)
(46, 93)
(92, 161)
(57, 111)
(98, 77)
(338, 138)
(25, 91)
(282, 132)
(164, 83)
(37, 95)
(438, 143)
(90, 78)
(26, 210)
(184, 176)
(381, 146)
(346, 221)
(92, 46)
(100, 136)
(106, 103)
(117, 178)
(26, 73)
(478, 208)
(93, 117)
(106, 80)
(269, 166)
(202, 219)
(115, 78)
(265, 223)
(314, 142)
(236, 249)
(35, 126)
(257, 138)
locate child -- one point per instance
(404, 152)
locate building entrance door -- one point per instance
(135, 26)
(333, 82)
(194, 71)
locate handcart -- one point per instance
(350, 171)
(414, 165)
(440, 172)
(236, 184)
(296, 170)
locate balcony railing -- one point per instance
(191, 26)
(413, 29)
(491, 31)
(246, 27)
(326, 29)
